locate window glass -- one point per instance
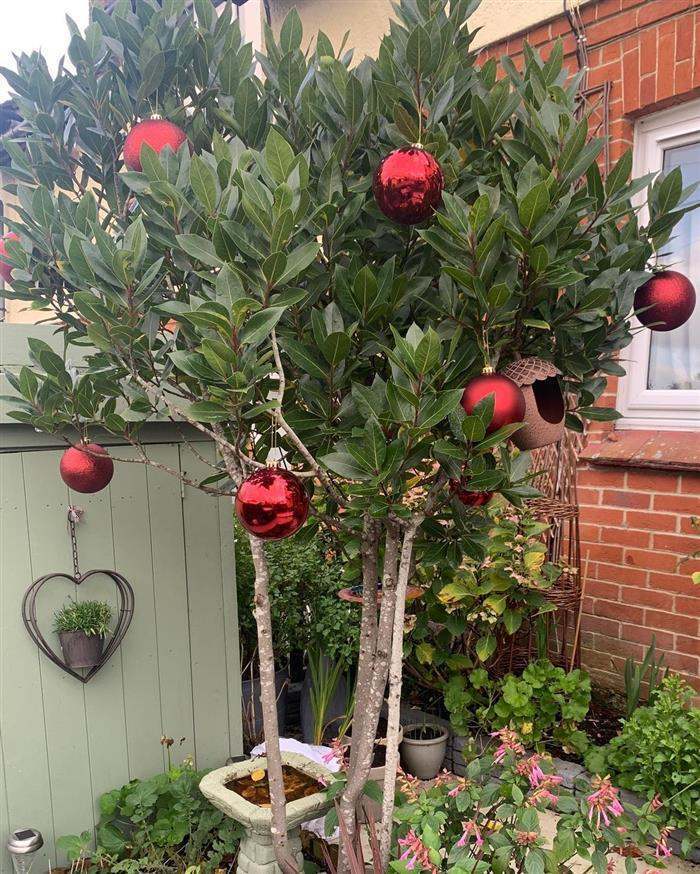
(674, 356)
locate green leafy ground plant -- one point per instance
(657, 755)
(157, 826)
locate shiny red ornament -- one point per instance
(158, 133)
(668, 299)
(509, 401)
(408, 185)
(460, 489)
(86, 467)
(5, 267)
(272, 504)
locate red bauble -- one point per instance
(5, 268)
(408, 185)
(509, 401)
(459, 489)
(86, 471)
(158, 133)
(272, 504)
(668, 298)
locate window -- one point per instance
(662, 386)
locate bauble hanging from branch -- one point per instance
(272, 503)
(460, 489)
(86, 468)
(5, 266)
(508, 399)
(665, 302)
(408, 185)
(157, 133)
(544, 402)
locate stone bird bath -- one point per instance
(256, 854)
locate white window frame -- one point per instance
(641, 407)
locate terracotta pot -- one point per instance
(81, 650)
(544, 402)
(423, 749)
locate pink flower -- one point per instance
(656, 803)
(526, 839)
(543, 791)
(603, 801)
(662, 850)
(415, 852)
(509, 743)
(610, 868)
(530, 768)
(337, 754)
(471, 829)
(462, 784)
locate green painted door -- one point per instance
(177, 672)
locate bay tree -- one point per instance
(247, 285)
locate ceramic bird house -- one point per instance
(544, 402)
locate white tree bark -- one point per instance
(394, 702)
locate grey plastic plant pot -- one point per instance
(81, 650)
(423, 757)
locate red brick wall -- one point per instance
(636, 527)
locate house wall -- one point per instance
(176, 673)
(638, 489)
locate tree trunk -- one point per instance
(394, 706)
(369, 697)
(268, 696)
(268, 699)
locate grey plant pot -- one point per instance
(334, 714)
(423, 757)
(252, 706)
(81, 650)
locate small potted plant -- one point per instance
(81, 627)
(423, 749)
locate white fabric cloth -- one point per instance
(316, 754)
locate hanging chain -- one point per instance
(75, 514)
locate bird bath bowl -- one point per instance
(302, 777)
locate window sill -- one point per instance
(659, 450)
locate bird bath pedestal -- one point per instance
(256, 854)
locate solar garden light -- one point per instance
(23, 845)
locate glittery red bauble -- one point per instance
(5, 268)
(670, 298)
(459, 489)
(408, 185)
(86, 471)
(272, 504)
(509, 401)
(158, 133)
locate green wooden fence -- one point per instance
(177, 671)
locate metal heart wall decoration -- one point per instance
(126, 612)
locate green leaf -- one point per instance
(279, 155)
(599, 414)
(298, 260)
(534, 205)
(291, 31)
(418, 49)
(438, 407)
(205, 184)
(42, 207)
(345, 465)
(152, 75)
(669, 191)
(260, 325)
(335, 347)
(302, 356)
(354, 100)
(485, 647)
(619, 174)
(200, 249)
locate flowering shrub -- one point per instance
(488, 820)
(658, 755)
